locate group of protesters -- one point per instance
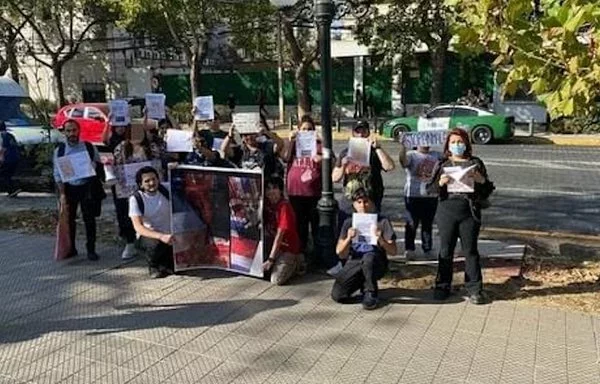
(292, 191)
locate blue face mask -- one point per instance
(457, 149)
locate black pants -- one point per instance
(80, 195)
(158, 254)
(455, 219)
(126, 230)
(7, 171)
(421, 211)
(358, 274)
(305, 209)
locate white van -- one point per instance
(16, 110)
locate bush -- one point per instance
(181, 112)
(37, 158)
(586, 125)
(46, 108)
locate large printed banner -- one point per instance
(217, 216)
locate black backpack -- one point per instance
(140, 200)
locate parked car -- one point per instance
(484, 126)
(92, 118)
(19, 113)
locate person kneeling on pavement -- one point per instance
(285, 258)
(150, 213)
(365, 263)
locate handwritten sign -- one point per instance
(205, 108)
(119, 111)
(247, 123)
(424, 139)
(155, 105)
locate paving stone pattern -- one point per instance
(84, 322)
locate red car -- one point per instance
(92, 118)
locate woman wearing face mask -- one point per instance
(459, 214)
(304, 184)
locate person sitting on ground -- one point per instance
(285, 257)
(150, 213)
(365, 263)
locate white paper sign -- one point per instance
(119, 111)
(365, 225)
(155, 105)
(433, 124)
(246, 123)
(75, 166)
(359, 150)
(306, 144)
(424, 139)
(179, 140)
(460, 180)
(216, 146)
(205, 108)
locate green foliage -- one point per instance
(45, 109)
(39, 157)
(552, 52)
(181, 112)
(574, 125)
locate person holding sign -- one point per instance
(78, 174)
(304, 178)
(420, 206)
(459, 213)
(202, 154)
(285, 256)
(366, 253)
(150, 213)
(125, 154)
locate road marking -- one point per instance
(548, 192)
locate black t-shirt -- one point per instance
(367, 176)
(358, 249)
(264, 158)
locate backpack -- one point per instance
(140, 200)
(11, 148)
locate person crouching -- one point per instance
(365, 263)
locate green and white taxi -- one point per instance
(482, 125)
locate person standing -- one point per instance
(304, 185)
(85, 192)
(231, 103)
(459, 215)
(420, 205)
(9, 160)
(150, 213)
(365, 262)
(358, 103)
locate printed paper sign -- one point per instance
(306, 144)
(359, 150)
(365, 225)
(246, 123)
(433, 124)
(424, 139)
(75, 166)
(205, 108)
(155, 106)
(179, 141)
(119, 111)
(461, 181)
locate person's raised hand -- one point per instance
(352, 232)
(444, 179)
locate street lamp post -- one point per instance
(324, 12)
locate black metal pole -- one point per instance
(324, 12)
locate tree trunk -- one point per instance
(302, 90)
(198, 55)
(59, 89)
(438, 66)
(11, 58)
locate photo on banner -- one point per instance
(217, 219)
(205, 108)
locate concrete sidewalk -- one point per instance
(83, 322)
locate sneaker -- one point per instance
(479, 298)
(409, 255)
(369, 301)
(93, 256)
(335, 270)
(440, 294)
(129, 252)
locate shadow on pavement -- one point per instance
(414, 296)
(140, 317)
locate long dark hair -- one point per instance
(128, 145)
(464, 135)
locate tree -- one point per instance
(546, 46)
(398, 27)
(59, 29)
(9, 41)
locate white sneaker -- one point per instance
(129, 252)
(335, 270)
(410, 255)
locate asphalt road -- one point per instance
(539, 187)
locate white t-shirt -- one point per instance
(157, 211)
